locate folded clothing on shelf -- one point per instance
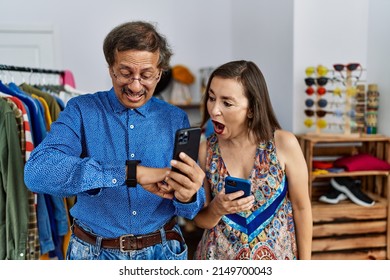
(361, 162)
(318, 164)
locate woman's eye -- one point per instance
(211, 98)
(227, 104)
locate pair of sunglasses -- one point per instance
(321, 103)
(350, 67)
(340, 68)
(319, 81)
(321, 123)
(320, 90)
(323, 113)
(319, 113)
(321, 70)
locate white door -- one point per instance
(27, 47)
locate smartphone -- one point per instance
(233, 184)
(186, 140)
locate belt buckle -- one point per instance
(122, 239)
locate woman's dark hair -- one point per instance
(137, 35)
(264, 122)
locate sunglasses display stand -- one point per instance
(350, 120)
(372, 109)
(348, 104)
(360, 108)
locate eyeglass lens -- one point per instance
(321, 90)
(322, 81)
(309, 91)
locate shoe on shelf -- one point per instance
(352, 190)
(333, 196)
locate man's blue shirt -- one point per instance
(84, 154)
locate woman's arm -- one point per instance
(290, 155)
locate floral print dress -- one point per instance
(267, 231)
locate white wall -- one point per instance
(342, 31)
(263, 32)
(282, 36)
(379, 59)
(326, 32)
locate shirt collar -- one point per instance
(118, 107)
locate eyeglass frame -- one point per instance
(149, 81)
(318, 113)
(322, 103)
(350, 67)
(321, 81)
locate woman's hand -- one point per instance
(223, 204)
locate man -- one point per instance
(113, 149)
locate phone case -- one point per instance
(187, 140)
(233, 184)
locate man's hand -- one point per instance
(185, 186)
(159, 190)
(151, 179)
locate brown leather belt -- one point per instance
(129, 241)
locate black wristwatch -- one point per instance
(131, 180)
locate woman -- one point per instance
(275, 221)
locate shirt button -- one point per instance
(134, 213)
(21, 254)
(132, 155)
(113, 181)
(131, 126)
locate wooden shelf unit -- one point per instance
(347, 230)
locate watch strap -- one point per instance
(131, 179)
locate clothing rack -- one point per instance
(29, 69)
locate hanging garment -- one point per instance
(13, 192)
(37, 121)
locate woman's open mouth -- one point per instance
(218, 127)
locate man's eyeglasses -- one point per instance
(145, 80)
